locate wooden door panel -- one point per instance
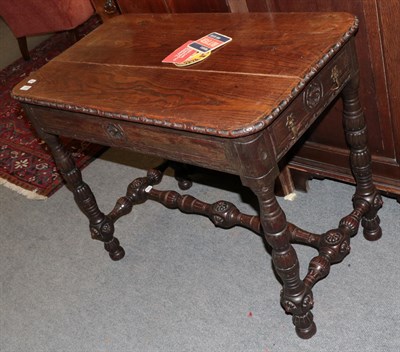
(197, 5)
(160, 6)
(389, 28)
(143, 6)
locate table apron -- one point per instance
(317, 94)
(212, 152)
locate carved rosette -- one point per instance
(223, 214)
(313, 94)
(137, 183)
(345, 248)
(95, 234)
(289, 307)
(333, 237)
(378, 202)
(298, 305)
(335, 245)
(102, 231)
(221, 206)
(308, 302)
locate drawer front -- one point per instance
(206, 151)
(311, 102)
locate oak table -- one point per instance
(239, 111)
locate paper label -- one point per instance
(25, 87)
(210, 42)
(181, 54)
(195, 51)
(195, 58)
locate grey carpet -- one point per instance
(184, 285)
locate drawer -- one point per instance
(201, 150)
(310, 102)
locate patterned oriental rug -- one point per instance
(26, 164)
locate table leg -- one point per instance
(366, 196)
(101, 226)
(296, 297)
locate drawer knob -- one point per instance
(115, 131)
(291, 125)
(109, 7)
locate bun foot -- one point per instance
(117, 255)
(372, 230)
(305, 326)
(115, 251)
(306, 333)
(373, 235)
(184, 184)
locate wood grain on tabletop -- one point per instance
(118, 68)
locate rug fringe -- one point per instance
(28, 194)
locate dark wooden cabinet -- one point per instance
(323, 152)
(378, 46)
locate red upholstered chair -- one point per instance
(33, 17)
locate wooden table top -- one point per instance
(116, 70)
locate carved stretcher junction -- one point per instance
(239, 111)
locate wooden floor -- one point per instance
(9, 46)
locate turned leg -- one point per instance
(101, 226)
(366, 196)
(296, 297)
